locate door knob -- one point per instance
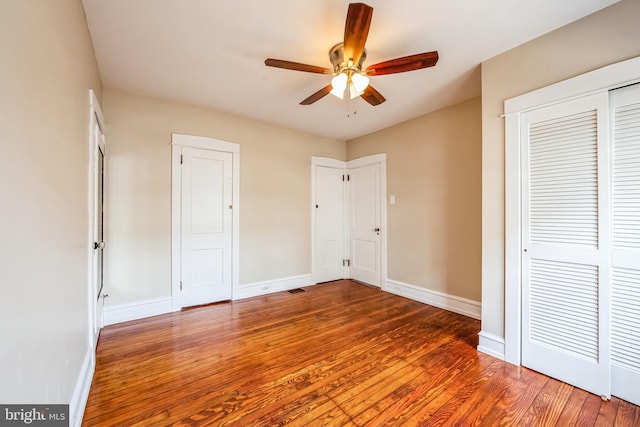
(98, 245)
(377, 229)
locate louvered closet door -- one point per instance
(625, 275)
(565, 259)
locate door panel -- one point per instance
(365, 223)
(206, 226)
(330, 223)
(625, 277)
(565, 226)
(97, 281)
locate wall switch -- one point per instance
(392, 199)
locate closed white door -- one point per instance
(329, 209)
(98, 293)
(206, 231)
(565, 255)
(365, 223)
(625, 257)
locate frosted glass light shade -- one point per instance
(355, 82)
(360, 82)
(339, 84)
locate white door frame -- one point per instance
(600, 80)
(380, 159)
(95, 117)
(177, 142)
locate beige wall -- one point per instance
(606, 37)
(47, 69)
(275, 192)
(434, 171)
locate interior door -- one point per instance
(565, 255)
(329, 208)
(206, 232)
(365, 223)
(98, 228)
(625, 257)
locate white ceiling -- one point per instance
(212, 52)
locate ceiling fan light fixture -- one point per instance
(349, 79)
(347, 58)
(339, 84)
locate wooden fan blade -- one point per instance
(406, 63)
(296, 66)
(356, 30)
(318, 95)
(372, 96)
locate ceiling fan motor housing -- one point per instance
(336, 56)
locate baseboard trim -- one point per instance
(459, 305)
(136, 310)
(153, 307)
(81, 390)
(271, 286)
(491, 344)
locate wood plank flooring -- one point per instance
(338, 354)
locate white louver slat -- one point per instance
(563, 180)
(626, 177)
(625, 318)
(564, 307)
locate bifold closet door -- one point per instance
(565, 235)
(625, 257)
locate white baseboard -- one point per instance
(153, 307)
(136, 310)
(453, 303)
(491, 344)
(271, 286)
(81, 390)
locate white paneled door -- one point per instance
(625, 257)
(206, 229)
(566, 230)
(329, 233)
(365, 223)
(97, 292)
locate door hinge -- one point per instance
(346, 263)
(180, 284)
(181, 159)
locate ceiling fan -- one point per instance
(347, 59)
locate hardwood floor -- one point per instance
(339, 354)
